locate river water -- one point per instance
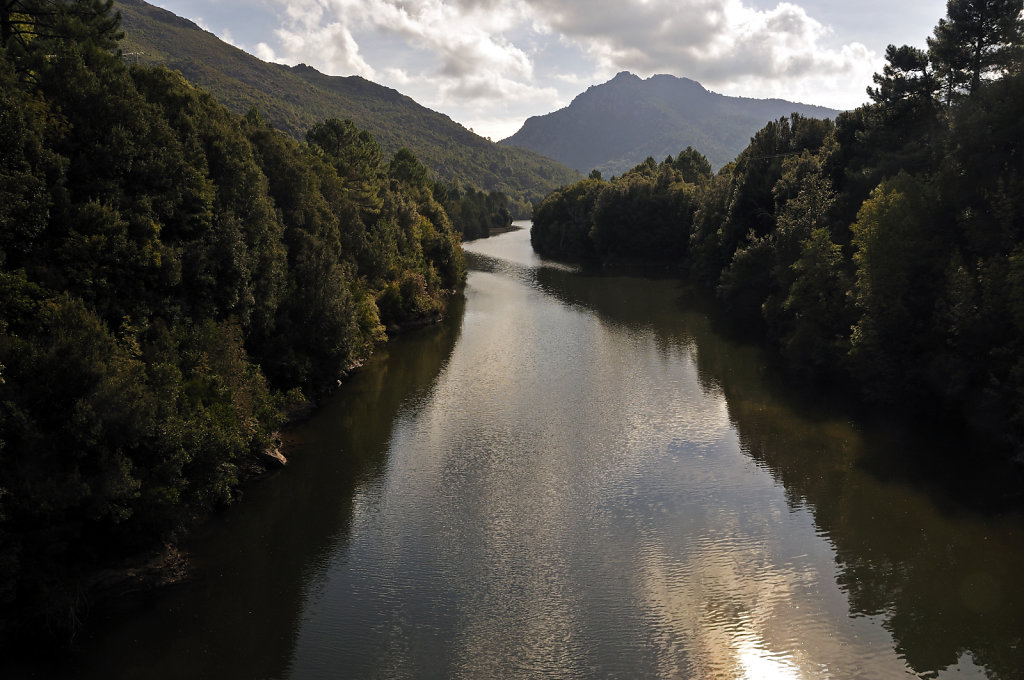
(575, 477)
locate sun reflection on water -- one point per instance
(759, 663)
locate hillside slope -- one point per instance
(614, 126)
(295, 98)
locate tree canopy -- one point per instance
(173, 276)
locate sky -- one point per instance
(491, 64)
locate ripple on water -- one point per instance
(589, 483)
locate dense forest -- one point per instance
(173, 278)
(883, 250)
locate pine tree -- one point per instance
(980, 38)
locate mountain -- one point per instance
(294, 98)
(614, 126)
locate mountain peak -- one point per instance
(616, 125)
(661, 80)
(668, 80)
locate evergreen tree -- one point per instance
(30, 29)
(980, 38)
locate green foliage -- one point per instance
(980, 38)
(647, 214)
(474, 213)
(644, 216)
(30, 30)
(357, 159)
(693, 166)
(405, 167)
(708, 255)
(563, 221)
(814, 338)
(906, 79)
(170, 274)
(898, 257)
(25, 166)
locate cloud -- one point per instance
(331, 47)
(265, 52)
(490, 58)
(228, 37)
(442, 53)
(720, 43)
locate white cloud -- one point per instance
(331, 47)
(265, 52)
(724, 45)
(486, 62)
(461, 40)
(227, 37)
(497, 128)
(398, 76)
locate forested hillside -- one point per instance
(294, 98)
(884, 250)
(172, 276)
(613, 126)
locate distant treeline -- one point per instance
(172, 277)
(474, 213)
(884, 250)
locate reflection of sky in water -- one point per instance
(568, 502)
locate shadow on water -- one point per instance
(930, 456)
(258, 564)
(935, 550)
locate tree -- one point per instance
(693, 165)
(901, 251)
(25, 163)
(28, 28)
(906, 80)
(405, 167)
(160, 259)
(562, 222)
(644, 216)
(817, 334)
(801, 260)
(979, 39)
(356, 156)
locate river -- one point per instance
(576, 477)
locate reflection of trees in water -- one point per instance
(944, 584)
(259, 563)
(647, 304)
(944, 578)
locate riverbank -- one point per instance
(135, 577)
(496, 231)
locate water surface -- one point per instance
(575, 477)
